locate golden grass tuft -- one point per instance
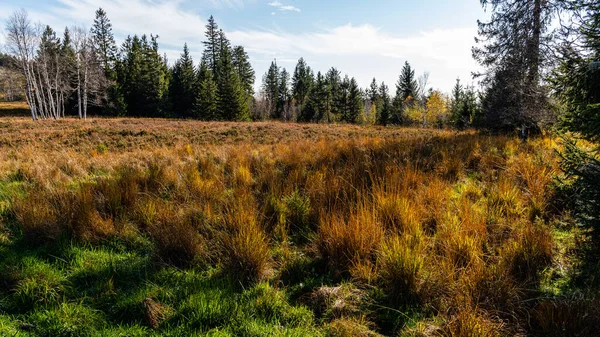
(343, 243)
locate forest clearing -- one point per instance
(300, 168)
(135, 227)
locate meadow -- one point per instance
(148, 227)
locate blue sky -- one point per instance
(364, 39)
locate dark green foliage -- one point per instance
(184, 85)
(283, 95)
(335, 95)
(302, 82)
(104, 42)
(318, 100)
(205, 105)
(511, 50)
(355, 102)
(271, 87)
(106, 48)
(211, 45)
(577, 83)
(406, 92)
(383, 110)
(232, 100)
(241, 63)
(143, 75)
(464, 108)
(407, 84)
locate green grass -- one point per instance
(70, 289)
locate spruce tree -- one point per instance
(374, 92)
(457, 118)
(212, 47)
(577, 85)
(302, 82)
(384, 111)
(144, 78)
(67, 75)
(407, 87)
(232, 100)
(406, 92)
(183, 85)
(510, 48)
(344, 99)
(242, 65)
(319, 98)
(271, 89)
(335, 103)
(355, 102)
(283, 95)
(205, 105)
(104, 42)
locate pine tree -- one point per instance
(144, 77)
(577, 84)
(384, 110)
(335, 99)
(407, 87)
(242, 65)
(68, 97)
(183, 85)
(355, 102)
(302, 82)
(510, 48)
(457, 119)
(205, 105)
(104, 42)
(283, 95)
(374, 92)
(406, 91)
(270, 87)
(315, 110)
(212, 47)
(344, 99)
(232, 101)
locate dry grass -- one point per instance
(454, 223)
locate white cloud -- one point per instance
(365, 51)
(236, 4)
(284, 8)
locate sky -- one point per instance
(365, 39)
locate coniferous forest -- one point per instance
(142, 196)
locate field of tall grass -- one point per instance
(124, 227)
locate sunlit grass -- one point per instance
(141, 227)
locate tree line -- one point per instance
(87, 70)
